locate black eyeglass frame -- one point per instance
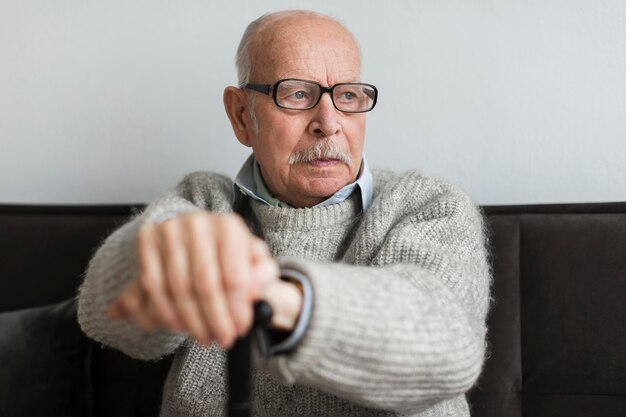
(271, 90)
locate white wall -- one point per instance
(516, 101)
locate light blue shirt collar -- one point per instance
(244, 185)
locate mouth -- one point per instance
(324, 162)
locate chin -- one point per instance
(325, 187)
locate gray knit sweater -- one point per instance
(400, 298)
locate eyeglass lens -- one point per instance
(301, 95)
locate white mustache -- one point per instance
(323, 149)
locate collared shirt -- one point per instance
(250, 183)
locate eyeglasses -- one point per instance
(297, 94)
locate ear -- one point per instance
(236, 106)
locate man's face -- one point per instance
(320, 51)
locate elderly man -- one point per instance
(379, 281)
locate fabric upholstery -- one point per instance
(125, 386)
(573, 312)
(45, 361)
(498, 390)
(557, 328)
(44, 250)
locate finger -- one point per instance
(132, 301)
(234, 259)
(265, 269)
(146, 320)
(178, 282)
(207, 283)
(151, 278)
(286, 301)
(116, 311)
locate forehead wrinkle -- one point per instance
(326, 65)
(305, 73)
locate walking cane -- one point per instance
(239, 362)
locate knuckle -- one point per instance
(196, 220)
(169, 228)
(232, 223)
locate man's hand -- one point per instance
(201, 273)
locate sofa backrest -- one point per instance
(45, 250)
(557, 328)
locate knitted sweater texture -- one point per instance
(401, 293)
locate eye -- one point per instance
(296, 94)
(348, 95)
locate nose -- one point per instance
(325, 122)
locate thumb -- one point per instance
(264, 270)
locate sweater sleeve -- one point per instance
(403, 328)
(114, 265)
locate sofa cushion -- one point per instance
(45, 361)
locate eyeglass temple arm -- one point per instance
(261, 88)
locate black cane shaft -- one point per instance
(239, 378)
(239, 362)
